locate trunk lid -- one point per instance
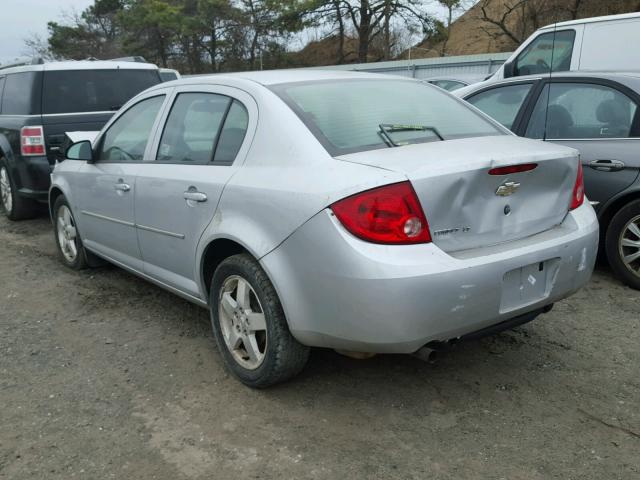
(458, 196)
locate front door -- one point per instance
(106, 187)
(196, 153)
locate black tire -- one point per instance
(284, 357)
(21, 208)
(80, 260)
(616, 229)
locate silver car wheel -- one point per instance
(629, 245)
(5, 190)
(242, 322)
(67, 234)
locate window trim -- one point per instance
(98, 146)
(603, 82)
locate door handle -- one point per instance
(195, 196)
(607, 165)
(122, 187)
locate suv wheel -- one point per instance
(15, 206)
(623, 244)
(70, 249)
(250, 327)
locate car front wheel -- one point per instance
(250, 327)
(70, 249)
(623, 244)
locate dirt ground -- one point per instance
(103, 375)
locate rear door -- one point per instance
(104, 190)
(601, 119)
(85, 100)
(203, 141)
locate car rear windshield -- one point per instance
(349, 116)
(77, 91)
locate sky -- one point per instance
(22, 18)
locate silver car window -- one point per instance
(127, 137)
(232, 135)
(193, 128)
(502, 103)
(347, 116)
(581, 110)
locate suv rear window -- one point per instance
(72, 91)
(349, 116)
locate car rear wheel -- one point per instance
(623, 244)
(70, 248)
(250, 327)
(15, 206)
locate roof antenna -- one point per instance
(553, 51)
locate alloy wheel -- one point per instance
(629, 245)
(5, 190)
(242, 322)
(67, 234)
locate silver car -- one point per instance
(307, 209)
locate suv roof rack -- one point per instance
(22, 63)
(133, 58)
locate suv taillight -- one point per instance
(577, 197)
(391, 215)
(32, 141)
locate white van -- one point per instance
(598, 43)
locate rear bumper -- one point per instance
(340, 292)
(32, 175)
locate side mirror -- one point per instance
(80, 151)
(508, 70)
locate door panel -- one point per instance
(203, 141)
(106, 212)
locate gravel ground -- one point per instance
(103, 375)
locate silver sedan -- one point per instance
(363, 213)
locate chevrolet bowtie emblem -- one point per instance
(507, 188)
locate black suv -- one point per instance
(39, 102)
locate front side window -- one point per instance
(581, 111)
(127, 137)
(350, 116)
(549, 52)
(502, 103)
(192, 128)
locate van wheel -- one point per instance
(250, 327)
(15, 206)
(70, 248)
(623, 244)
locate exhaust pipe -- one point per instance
(426, 354)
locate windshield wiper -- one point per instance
(387, 128)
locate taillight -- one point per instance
(577, 197)
(508, 170)
(391, 215)
(32, 141)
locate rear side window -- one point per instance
(349, 116)
(502, 103)
(232, 135)
(192, 128)
(1, 89)
(21, 95)
(78, 91)
(127, 137)
(547, 52)
(580, 111)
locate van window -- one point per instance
(19, 94)
(550, 51)
(76, 91)
(582, 110)
(502, 103)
